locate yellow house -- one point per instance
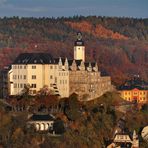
(140, 95)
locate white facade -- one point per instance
(79, 53)
(39, 75)
(42, 125)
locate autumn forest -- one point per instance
(119, 45)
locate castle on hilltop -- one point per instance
(61, 75)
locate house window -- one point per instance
(25, 67)
(33, 76)
(51, 77)
(20, 67)
(33, 85)
(34, 67)
(20, 76)
(51, 67)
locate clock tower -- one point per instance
(79, 48)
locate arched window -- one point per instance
(42, 127)
(37, 126)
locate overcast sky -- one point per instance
(58, 8)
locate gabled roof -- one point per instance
(38, 117)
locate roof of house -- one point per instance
(132, 87)
(44, 117)
(133, 83)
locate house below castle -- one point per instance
(135, 90)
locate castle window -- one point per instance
(14, 76)
(33, 85)
(51, 77)
(25, 67)
(33, 76)
(21, 85)
(15, 85)
(34, 91)
(34, 67)
(20, 67)
(24, 76)
(55, 79)
(51, 67)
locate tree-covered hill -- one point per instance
(119, 45)
(88, 124)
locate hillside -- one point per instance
(88, 124)
(119, 45)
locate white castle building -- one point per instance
(61, 75)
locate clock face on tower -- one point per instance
(79, 36)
